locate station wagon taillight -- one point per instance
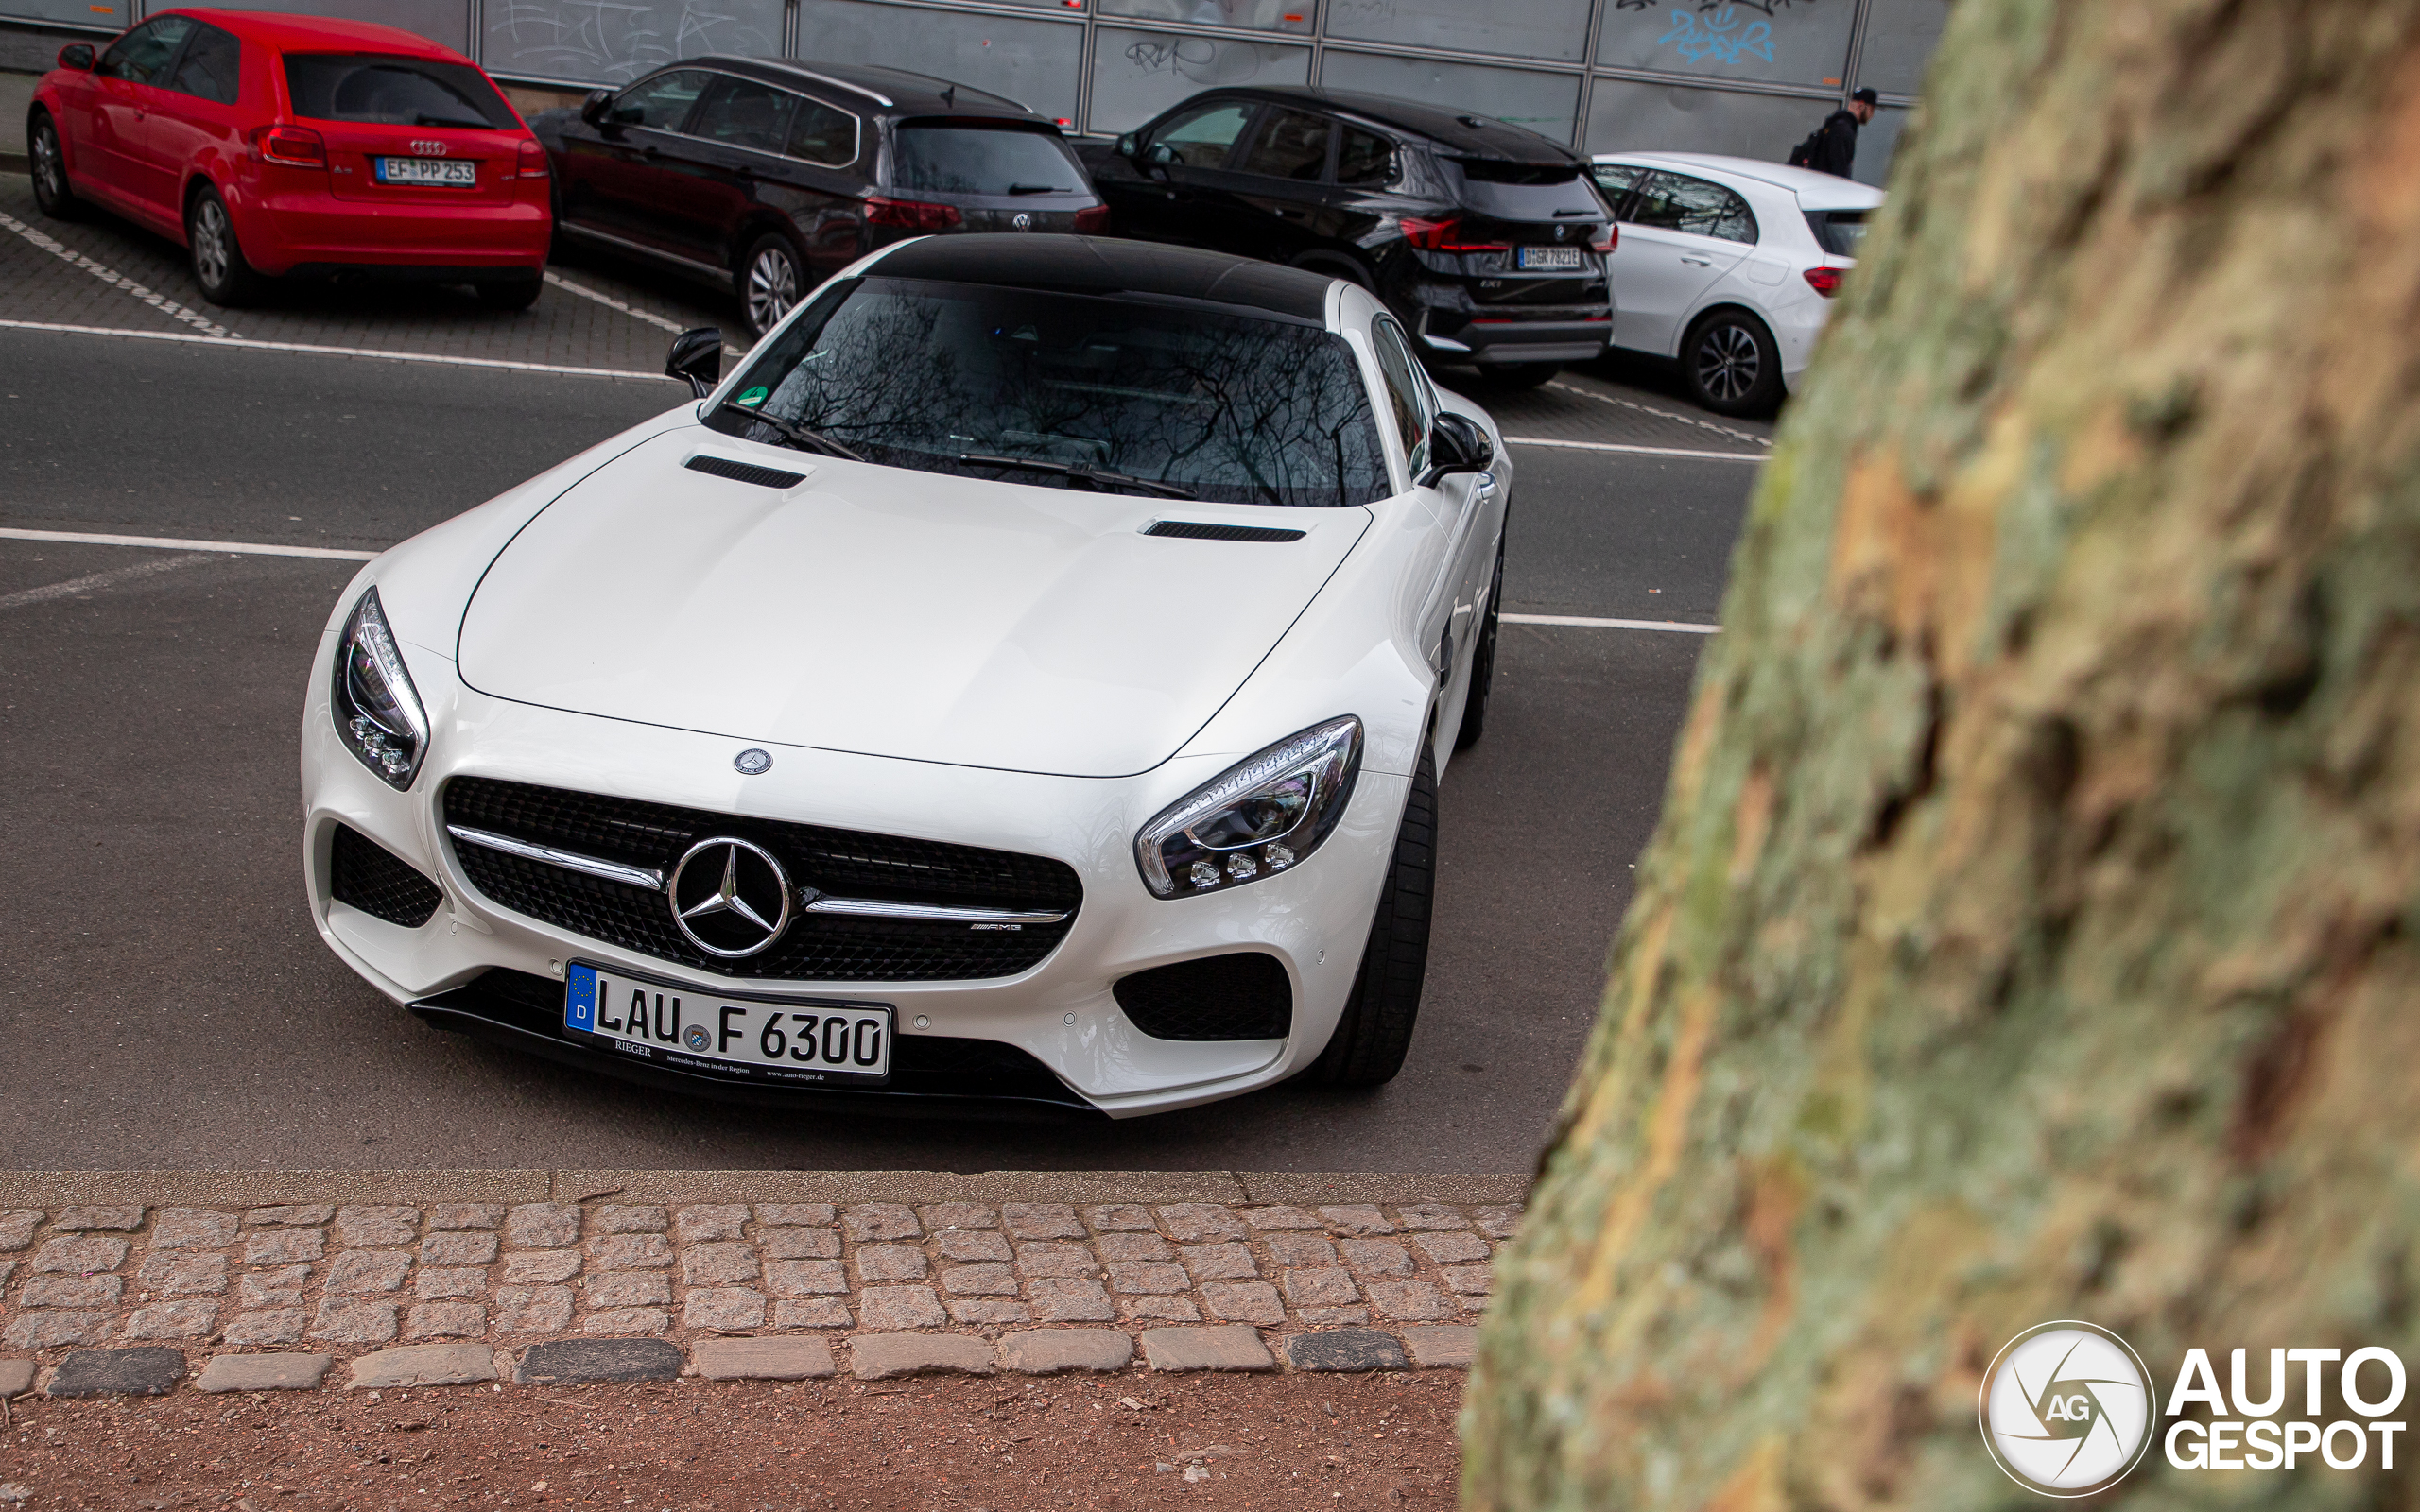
(296, 147)
(1092, 220)
(1445, 236)
(910, 214)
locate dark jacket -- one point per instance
(1836, 145)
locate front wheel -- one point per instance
(219, 262)
(772, 278)
(1732, 365)
(1375, 1033)
(49, 163)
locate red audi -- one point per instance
(292, 147)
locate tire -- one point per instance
(219, 262)
(772, 278)
(43, 155)
(510, 296)
(1371, 1038)
(1731, 364)
(1483, 665)
(1518, 375)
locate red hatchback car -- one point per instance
(293, 147)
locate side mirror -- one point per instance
(593, 109)
(1457, 444)
(77, 56)
(1128, 145)
(697, 355)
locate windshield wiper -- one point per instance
(798, 435)
(1079, 472)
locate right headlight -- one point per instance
(376, 708)
(1260, 816)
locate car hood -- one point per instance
(888, 612)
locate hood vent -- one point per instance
(764, 478)
(1199, 530)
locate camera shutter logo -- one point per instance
(2067, 1409)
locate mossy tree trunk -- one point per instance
(2030, 930)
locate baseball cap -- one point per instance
(1867, 96)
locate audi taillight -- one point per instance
(1092, 220)
(1827, 280)
(1445, 237)
(533, 160)
(910, 214)
(296, 147)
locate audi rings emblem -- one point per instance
(730, 897)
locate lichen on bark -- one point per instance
(2030, 931)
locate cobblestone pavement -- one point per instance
(130, 1297)
(601, 314)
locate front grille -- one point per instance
(1243, 996)
(816, 947)
(366, 875)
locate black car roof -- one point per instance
(1095, 264)
(1458, 133)
(868, 90)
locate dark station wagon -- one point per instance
(767, 177)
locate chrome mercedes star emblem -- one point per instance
(753, 762)
(730, 897)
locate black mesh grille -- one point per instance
(764, 478)
(1244, 996)
(366, 875)
(816, 947)
(1197, 530)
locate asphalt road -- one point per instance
(164, 1002)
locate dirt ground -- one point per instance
(1001, 1444)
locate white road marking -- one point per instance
(1663, 414)
(237, 548)
(631, 310)
(115, 279)
(92, 581)
(249, 344)
(1637, 451)
(1586, 624)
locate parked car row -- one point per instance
(289, 147)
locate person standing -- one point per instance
(1832, 148)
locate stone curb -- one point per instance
(61, 1189)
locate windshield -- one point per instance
(922, 374)
(971, 160)
(394, 92)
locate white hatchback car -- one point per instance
(1025, 680)
(1729, 264)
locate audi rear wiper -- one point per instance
(798, 435)
(1097, 477)
(449, 120)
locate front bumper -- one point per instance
(1062, 1012)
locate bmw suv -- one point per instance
(1487, 240)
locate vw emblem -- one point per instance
(696, 1038)
(1022, 221)
(752, 762)
(730, 897)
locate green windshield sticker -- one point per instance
(755, 396)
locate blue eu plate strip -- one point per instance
(580, 998)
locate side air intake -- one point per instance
(1200, 530)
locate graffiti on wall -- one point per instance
(619, 39)
(1725, 31)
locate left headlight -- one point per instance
(1260, 816)
(377, 710)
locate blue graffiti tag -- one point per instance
(1719, 36)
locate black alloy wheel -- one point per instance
(1375, 1033)
(49, 164)
(772, 277)
(219, 262)
(1731, 364)
(1482, 664)
(1514, 376)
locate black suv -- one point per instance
(1488, 241)
(766, 177)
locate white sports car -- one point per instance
(1023, 683)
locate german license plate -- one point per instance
(446, 171)
(1549, 257)
(792, 1039)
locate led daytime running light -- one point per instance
(1256, 818)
